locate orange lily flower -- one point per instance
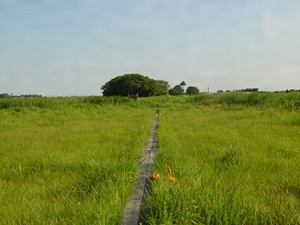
(172, 180)
(156, 176)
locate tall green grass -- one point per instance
(280, 100)
(58, 102)
(69, 163)
(73, 160)
(232, 167)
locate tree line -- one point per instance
(144, 86)
(5, 95)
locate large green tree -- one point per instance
(191, 90)
(177, 90)
(134, 84)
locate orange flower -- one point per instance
(172, 180)
(156, 176)
(169, 170)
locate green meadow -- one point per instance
(70, 161)
(235, 157)
(231, 166)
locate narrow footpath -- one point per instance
(136, 204)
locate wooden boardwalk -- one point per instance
(133, 209)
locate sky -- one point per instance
(73, 47)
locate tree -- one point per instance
(191, 90)
(4, 95)
(161, 87)
(249, 90)
(134, 84)
(177, 90)
(182, 84)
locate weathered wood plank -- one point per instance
(133, 207)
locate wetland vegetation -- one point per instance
(235, 157)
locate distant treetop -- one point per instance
(192, 90)
(182, 83)
(134, 84)
(177, 90)
(249, 90)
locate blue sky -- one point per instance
(72, 47)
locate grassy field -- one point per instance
(235, 157)
(231, 166)
(69, 165)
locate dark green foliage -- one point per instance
(31, 96)
(4, 95)
(177, 90)
(249, 90)
(191, 90)
(183, 83)
(134, 84)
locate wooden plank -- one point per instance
(136, 202)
